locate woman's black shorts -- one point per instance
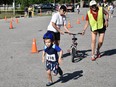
(101, 30)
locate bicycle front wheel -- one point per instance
(73, 54)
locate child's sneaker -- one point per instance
(93, 58)
(49, 83)
(60, 71)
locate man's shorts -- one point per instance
(55, 34)
(52, 66)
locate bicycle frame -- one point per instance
(73, 47)
(74, 42)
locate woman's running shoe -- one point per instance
(98, 55)
(93, 58)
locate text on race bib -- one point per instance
(50, 57)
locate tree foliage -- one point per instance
(24, 3)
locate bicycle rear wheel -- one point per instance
(73, 54)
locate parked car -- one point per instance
(70, 8)
(47, 7)
(37, 7)
(86, 4)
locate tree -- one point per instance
(24, 3)
(6, 1)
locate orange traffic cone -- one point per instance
(17, 21)
(69, 25)
(78, 21)
(11, 26)
(34, 47)
(82, 18)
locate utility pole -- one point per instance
(54, 2)
(81, 3)
(13, 7)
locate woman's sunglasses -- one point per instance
(93, 6)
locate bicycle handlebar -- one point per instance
(73, 33)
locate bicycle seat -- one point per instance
(74, 38)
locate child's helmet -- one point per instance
(48, 35)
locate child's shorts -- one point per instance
(111, 11)
(52, 66)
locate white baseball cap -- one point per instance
(93, 2)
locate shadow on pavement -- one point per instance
(39, 30)
(70, 76)
(114, 16)
(80, 55)
(66, 55)
(40, 50)
(83, 53)
(108, 52)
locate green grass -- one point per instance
(10, 14)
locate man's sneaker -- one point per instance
(93, 58)
(60, 71)
(49, 83)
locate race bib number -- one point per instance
(51, 57)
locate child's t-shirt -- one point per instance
(52, 52)
(58, 20)
(111, 7)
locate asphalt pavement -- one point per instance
(21, 68)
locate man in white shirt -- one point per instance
(58, 20)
